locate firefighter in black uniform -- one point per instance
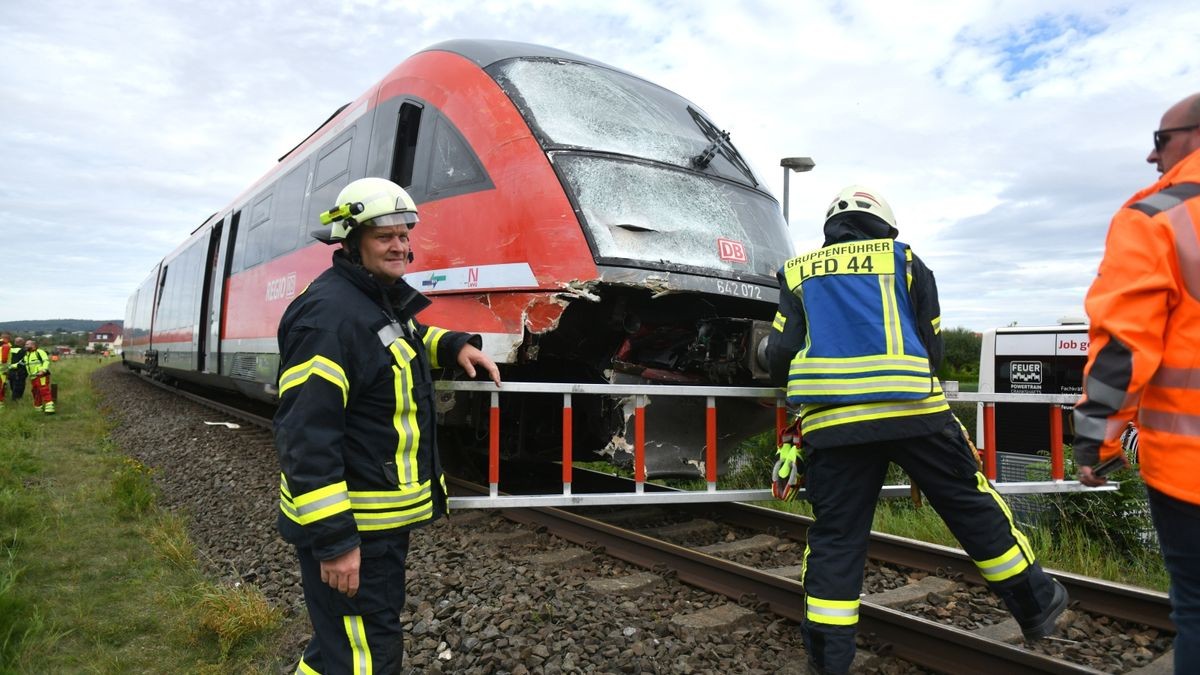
(16, 370)
(856, 343)
(355, 429)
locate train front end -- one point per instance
(685, 242)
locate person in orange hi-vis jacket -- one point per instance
(1144, 359)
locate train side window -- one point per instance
(257, 234)
(289, 213)
(453, 168)
(331, 175)
(404, 158)
(173, 310)
(190, 305)
(334, 162)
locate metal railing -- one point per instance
(987, 449)
(641, 393)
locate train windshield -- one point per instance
(655, 180)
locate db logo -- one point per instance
(730, 250)
(1025, 372)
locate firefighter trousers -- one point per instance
(39, 386)
(363, 634)
(16, 380)
(843, 485)
(1178, 525)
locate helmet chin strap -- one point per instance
(350, 245)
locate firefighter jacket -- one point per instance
(5, 357)
(1144, 335)
(35, 362)
(856, 341)
(355, 430)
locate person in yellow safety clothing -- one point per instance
(37, 365)
(856, 342)
(1144, 359)
(355, 429)
(6, 350)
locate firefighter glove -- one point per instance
(787, 477)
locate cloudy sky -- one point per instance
(1003, 132)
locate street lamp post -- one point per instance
(790, 164)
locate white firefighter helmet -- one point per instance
(862, 198)
(373, 202)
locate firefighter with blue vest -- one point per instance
(355, 431)
(856, 343)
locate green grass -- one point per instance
(1079, 540)
(93, 577)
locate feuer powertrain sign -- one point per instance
(1025, 376)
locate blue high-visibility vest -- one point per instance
(862, 343)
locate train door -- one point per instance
(207, 297)
(220, 259)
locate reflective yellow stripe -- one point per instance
(847, 414)
(892, 333)
(316, 505)
(1011, 563)
(780, 322)
(982, 484)
(883, 384)
(804, 563)
(382, 499)
(403, 351)
(360, 651)
(319, 366)
(304, 669)
(390, 520)
(936, 322)
(433, 336)
(859, 364)
(831, 612)
(404, 420)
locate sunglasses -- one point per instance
(1163, 136)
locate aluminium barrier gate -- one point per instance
(643, 393)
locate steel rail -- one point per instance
(1120, 601)
(232, 411)
(919, 641)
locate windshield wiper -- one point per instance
(719, 143)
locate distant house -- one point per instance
(105, 338)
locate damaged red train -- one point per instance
(592, 226)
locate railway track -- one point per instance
(922, 604)
(752, 555)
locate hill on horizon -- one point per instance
(45, 326)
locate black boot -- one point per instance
(1042, 624)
